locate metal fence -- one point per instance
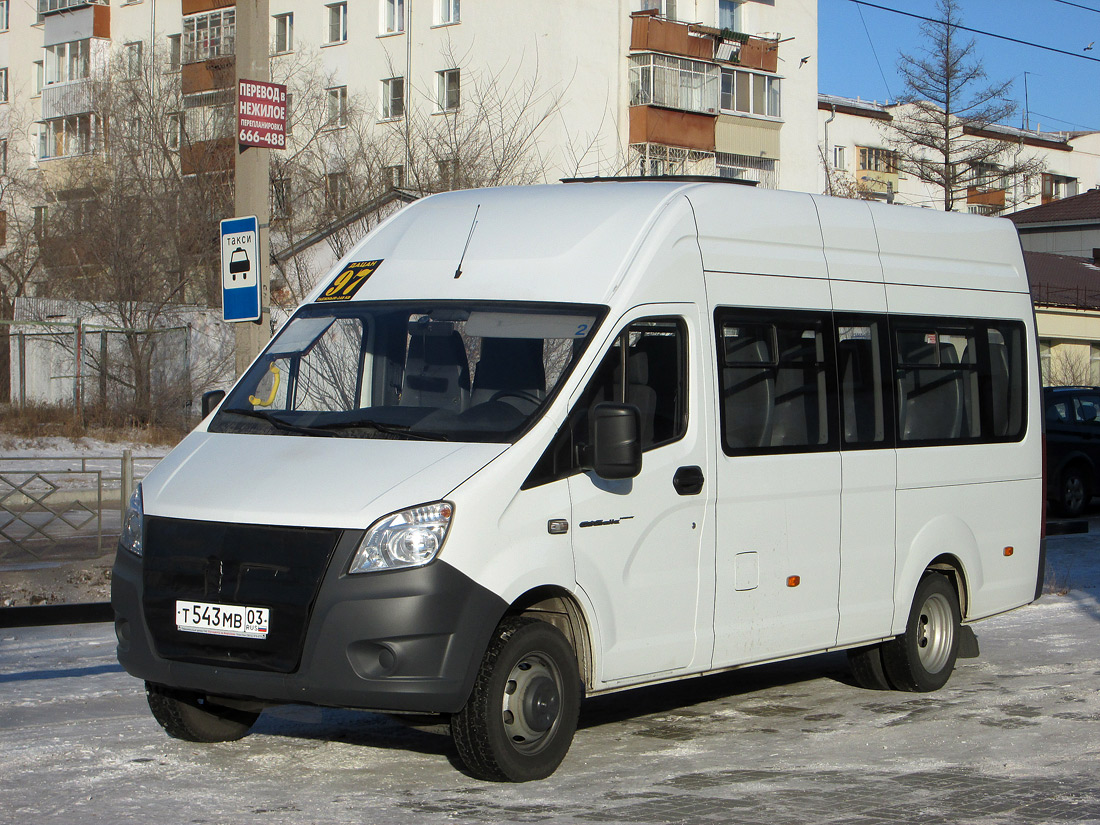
(57, 508)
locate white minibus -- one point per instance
(528, 445)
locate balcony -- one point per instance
(54, 6)
(991, 198)
(649, 32)
(65, 99)
(686, 130)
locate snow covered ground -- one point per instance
(1013, 738)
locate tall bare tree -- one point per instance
(941, 135)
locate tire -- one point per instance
(1074, 491)
(520, 718)
(193, 717)
(921, 659)
(867, 669)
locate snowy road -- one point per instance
(1013, 738)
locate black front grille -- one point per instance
(279, 568)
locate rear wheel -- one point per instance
(922, 658)
(195, 717)
(1074, 491)
(520, 718)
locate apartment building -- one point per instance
(858, 156)
(619, 86)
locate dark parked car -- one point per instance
(1073, 446)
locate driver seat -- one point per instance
(509, 365)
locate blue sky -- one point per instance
(1063, 92)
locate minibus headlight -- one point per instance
(132, 524)
(409, 538)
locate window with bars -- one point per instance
(673, 82)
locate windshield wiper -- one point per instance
(285, 426)
(402, 430)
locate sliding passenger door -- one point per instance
(779, 483)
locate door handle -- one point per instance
(688, 481)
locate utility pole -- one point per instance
(251, 173)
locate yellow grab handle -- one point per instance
(274, 389)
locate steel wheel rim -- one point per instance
(531, 706)
(935, 633)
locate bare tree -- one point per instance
(1069, 367)
(133, 218)
(941, 134)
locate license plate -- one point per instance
(223, 619)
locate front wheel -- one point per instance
(194, 717)
(921, 659)
(520, 718)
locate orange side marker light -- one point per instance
(794, 581)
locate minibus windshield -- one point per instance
(431, 371)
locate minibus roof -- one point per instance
(575, 242)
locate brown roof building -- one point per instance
(1070, 226)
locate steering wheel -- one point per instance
(523, 395)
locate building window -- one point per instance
(209, 35)
(877, 160)
(133, 58)
(39, 77)
(41, 215)
(393, 16)
(675, 82)
(729, 15)
(337, 23)
(764, 171)
(840, 158)
(66, 62)
(447, 12)
(1056, 187)
(4, 15)
(393, 98)
(336, 191)
(284, 33)
(448, 173)
(65, 137)
(447, 90)
(394, 176)
(280, 198)
(175, 52)
(750, 93)
(4, 156)
(337, 107)
(175, 127)
(3, 228)
(209, 115)
(666, 8)
(3, 85)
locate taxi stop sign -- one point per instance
(240, 270)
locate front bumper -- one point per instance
(403, 640)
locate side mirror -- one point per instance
(210, 400)
(615, 431)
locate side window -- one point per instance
(1087, 409)
(652, 355)
(937, 382)
(862, 355)
(776, 388)
(959, 380)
